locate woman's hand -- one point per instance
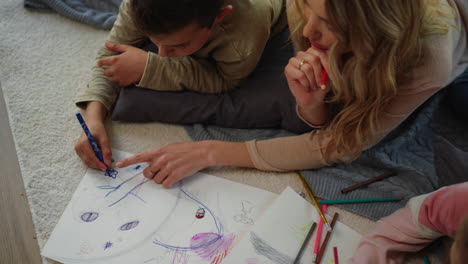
(125, 68)
(304, 76)
(172, 163)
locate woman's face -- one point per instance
(317, 28)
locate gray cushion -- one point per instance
(262, 101)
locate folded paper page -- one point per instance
(279, 233)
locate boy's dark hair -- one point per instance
(169, 16)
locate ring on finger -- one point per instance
(301, 63)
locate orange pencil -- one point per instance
(323, 83)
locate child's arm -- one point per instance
(100, 88)
(100, 93)
(410, 229)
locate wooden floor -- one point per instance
(17, 236)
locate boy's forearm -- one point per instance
(177, 74)
(95, 112)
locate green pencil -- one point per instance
(426, 260)
(368, 200)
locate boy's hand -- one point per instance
(94, 115)
(125, 68)
(85, 151)
(172, 163)
(304, 73)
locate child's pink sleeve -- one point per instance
(410, 229)
(444, 210)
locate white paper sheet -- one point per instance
(279, 233)
(132, 220)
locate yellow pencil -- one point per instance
(314, 200)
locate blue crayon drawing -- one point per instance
(107, 245)
(131, 192)
(89, 216)
(111, 173)
(129, 225)
(213, 245)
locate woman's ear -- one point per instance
(223, 12)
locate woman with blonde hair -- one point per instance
(383, 59)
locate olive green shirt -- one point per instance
(231, 53)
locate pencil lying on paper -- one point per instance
(365, 183)
(366, 200)
(318, 237)
(325, 241)
(314, 200)
(304, 244)
(335, 255)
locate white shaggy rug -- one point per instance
(44, 60)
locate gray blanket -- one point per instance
(97, 13)
(408, 150)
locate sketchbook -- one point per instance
(122, 217)
(279, 233)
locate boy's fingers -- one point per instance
(120, 48)
(108, 61)
(106, 151)
(90, 158)
(109, 72)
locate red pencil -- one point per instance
(335, 255)
(323, 83)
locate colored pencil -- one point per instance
(92, 141)
(304, 244)
(372, 180)
(325, 241)
(366, 200)
(335, 255)
(318, 237)
(314, 200)
(323, 82)
(426, 260)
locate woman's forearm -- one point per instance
(316, 115)
(224, 153)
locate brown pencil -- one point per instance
(325, 241)
(304, 244)
(365, 183)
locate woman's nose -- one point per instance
(311, 29)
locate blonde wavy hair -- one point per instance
(386, 40)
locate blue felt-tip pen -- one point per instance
(91, 140)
